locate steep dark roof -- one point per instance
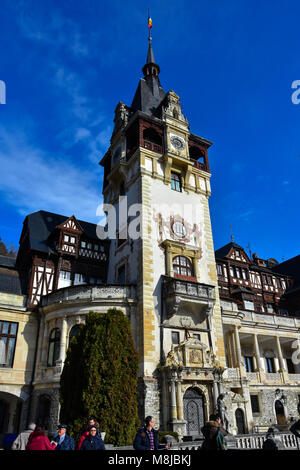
(41, 224)
(10, 281)
(148, 97)
(222, 252)
(149, 93)
(290, 267)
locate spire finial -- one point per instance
(231, 233)
(149, 25)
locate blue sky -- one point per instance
(67, 64)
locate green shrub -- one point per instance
(162, 434)
(100, 378)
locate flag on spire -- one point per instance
(149, 21)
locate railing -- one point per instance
(240, 442)
(154, 147)
(283, 441)
(200, 166)
(86, 292)
(190, 289)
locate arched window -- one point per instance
(74, 332)
(182, 266)
(53, 350)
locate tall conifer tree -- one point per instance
(100, 378)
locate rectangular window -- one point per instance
(89, 246)
(73, 239)
(197, 336)
(121, 278)
(270, 365)
(278, 283)
(175, 182)
(238, 272)
(96, 247)
(254, 403)
(79, 279)
(270, 308)
(83, 244)
(249, 363)
(290, 366)
(232, 273)
(244, 274)
(249, 305)
(175, 337)
(66, 238)
(65, 275)
(8, 337)
(219, 270)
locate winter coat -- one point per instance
(214, 436)
(92, 443)
(295, 428)
(82, 438)
(269, 444)
(67, 443)
(22, 439)
(142, 441)
(39, 441)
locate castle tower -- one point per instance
(157, 180)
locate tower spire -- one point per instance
(151, 69)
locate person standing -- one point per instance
(214, 434)
(22, 439)
(93, 441)
(39, 441)
(84, 432)
(147, 437)
(63, 440)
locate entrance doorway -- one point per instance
(193, 409)
(240, 421)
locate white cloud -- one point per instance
(53, 30)
(35, 180)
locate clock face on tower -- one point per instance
(179, 229)
(177, 142)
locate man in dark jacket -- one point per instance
(63, 440)
(147, 437)
(214, 433)
(92, 441)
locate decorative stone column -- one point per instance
(215, 394)
(238, 346)
(179, 401)
(45, 345)
(280, 356)
(40, 345)
(257, 353)
(63, 340)
(173, 395)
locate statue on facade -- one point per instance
(170, 360)
(222, 410)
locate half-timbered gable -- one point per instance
(58, 251)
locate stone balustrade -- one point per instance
(89, 293)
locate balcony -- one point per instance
(182, 296)
(152, 146)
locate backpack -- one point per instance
(221, 443)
